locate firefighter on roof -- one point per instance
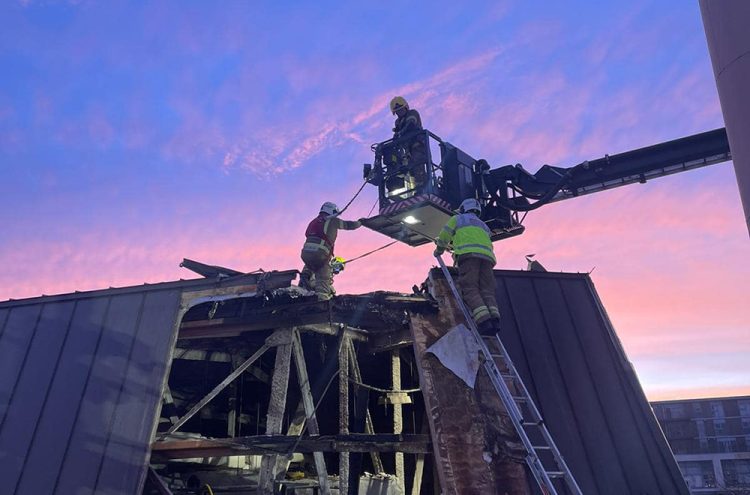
(318, 250)
(473, 253)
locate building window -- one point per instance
(745, 424)
(697, 410)
(719, 426)
(727, 444)
(700, 427)
(717, 409)
(673, 411)
(744, 407)
(698, 474)
(736, 472)
(681, 446)
(703, 444)
(675, 430)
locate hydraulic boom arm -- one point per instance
(512, 187)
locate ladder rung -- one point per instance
(555, 474)
(508, 375)
(519, 398)
(533, 423)
(541, 447)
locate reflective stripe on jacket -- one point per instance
(469, 235)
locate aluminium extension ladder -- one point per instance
(531, 423)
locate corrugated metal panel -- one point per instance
(568, 354)
(80, 382)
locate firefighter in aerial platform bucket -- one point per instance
(317, 252)
(408, 122)
(472, 248)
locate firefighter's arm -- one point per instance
(348, 224)
(446, 236)
(411, 123)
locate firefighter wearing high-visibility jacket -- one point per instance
(317, 252)
(469, 238)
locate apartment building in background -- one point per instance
(710, 439)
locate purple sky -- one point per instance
(133, 135)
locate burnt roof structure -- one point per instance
(83, 375)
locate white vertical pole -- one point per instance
(726, 24)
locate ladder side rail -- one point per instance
(489, 364)
(538, 417)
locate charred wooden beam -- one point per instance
(281, 444)
(372, 312)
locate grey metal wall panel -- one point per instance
(80, 385)
(623, 425)
(27, 398)
(591, 424)
(568, 355)
(56, 421)
(86, 447)
(657, 449)
(557, 395)
(14, 344)
(546, 382)
(4, 313)
(122, 465)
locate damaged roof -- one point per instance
(81, 377)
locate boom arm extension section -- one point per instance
(513, 188)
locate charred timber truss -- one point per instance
(279, 322)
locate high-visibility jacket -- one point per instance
(469, 236)
(321, 233)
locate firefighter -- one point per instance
(407, 123)
(407, 120)
(318, 250)
(473, 253)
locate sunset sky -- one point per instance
(133, 135)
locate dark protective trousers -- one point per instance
(317, 272)
(477, 283)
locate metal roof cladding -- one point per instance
(568, 354)
(81, 378)
(566, 351)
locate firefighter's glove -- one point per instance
(438, 251)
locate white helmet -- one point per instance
(470, 204)
(329, 208)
